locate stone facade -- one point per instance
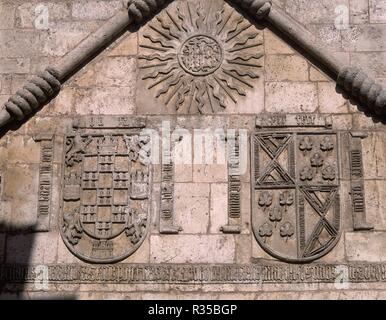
(193, 229)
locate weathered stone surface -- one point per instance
(362, 122)
(342, 122)
(327, 35)
(375, 156)
(23, 149)
(365, 38)
(374, 63)
(60, 39)
(329, 100)
(286, 68)
(210, 173)
(17, 43)
(33, 248)
(183, 173)
(275, 45)
(202, 249)
(316, 75)
(95, 10)
(14, 66)
(18, 81)
(29, 15)
(253, 103)
(245, 208)
(5, 84)
(377, 11)
(192, 207)
(291, 97)
(317, 12)
(109, 72)
(359, 11)
(64, 255)
(4, 98)
(63, 104)
(258, 253)
(20, 189)
(5, 215)
(126, 46)
(243, 249)
(7, 16)
(335, 256)
(376, 203)
(2, 247)
(218, 207)
(105, 100)
(142, 255)
(49, 125)
(364, 246)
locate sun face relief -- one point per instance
(200, 56)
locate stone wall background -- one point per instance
(107, 86)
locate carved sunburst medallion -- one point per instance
(200, 55)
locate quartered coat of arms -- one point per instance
(106, 191)
(296, 205)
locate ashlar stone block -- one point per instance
(366, 246)
(291, 97)
(377, 11)
(192, 249)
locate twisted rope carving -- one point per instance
(37, 92)
(139, 10)
(363, 88)
(257, 8)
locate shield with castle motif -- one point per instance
(106, 191)
(296, 206)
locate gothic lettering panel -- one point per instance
(45, 181)
(357, 183)
(106, 192)
(296, 205)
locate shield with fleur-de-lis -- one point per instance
(295, 196)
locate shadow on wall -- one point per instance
(21, 251)
(16, 250)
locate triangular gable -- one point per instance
(40, 90)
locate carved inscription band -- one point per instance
(176, 273)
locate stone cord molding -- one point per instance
(139, 10)
(363, 88)
(37, 92)
(258, 9)
(41, 90)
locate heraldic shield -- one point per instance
(105, 194)
(296, 205)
